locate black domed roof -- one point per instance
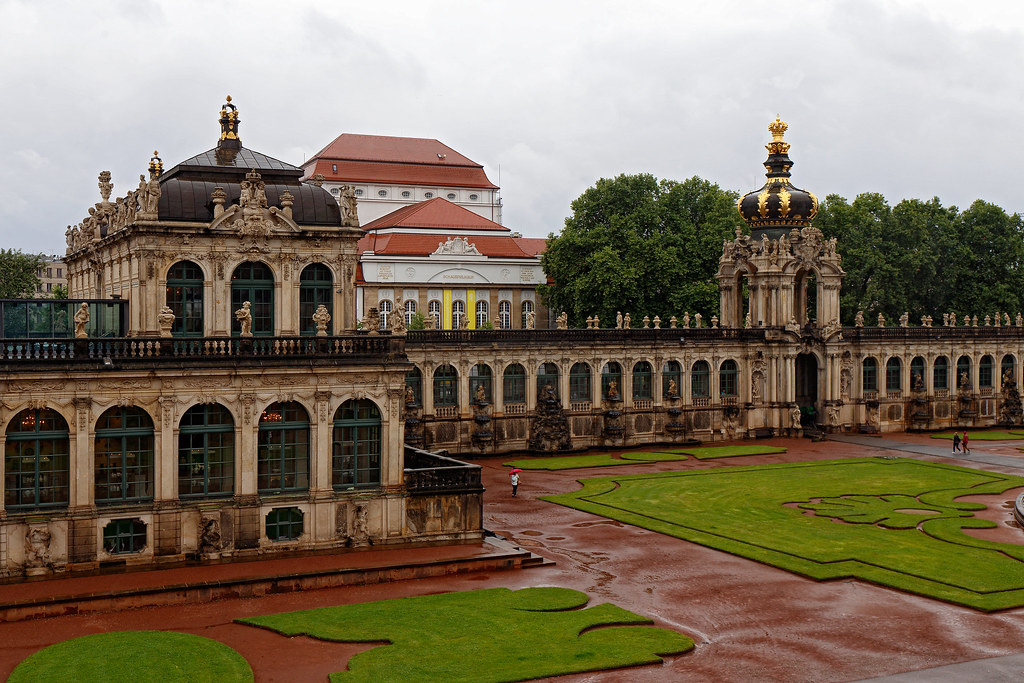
(777, 207)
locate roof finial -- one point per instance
(229, 121)
(777, 128)
(156, 166)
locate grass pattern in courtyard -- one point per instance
(901, 525)
(711, 452)
(135, 656)
(572, 462)
(490, 635)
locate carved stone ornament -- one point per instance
(166, 321)
(251, 218)
(322, 318)
(457, 246)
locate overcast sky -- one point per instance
(908, 98)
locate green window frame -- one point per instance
(356, 448)
(514, 384)
(700, 380)
(123, 457)
(727, 376)
(940, 373)
(963, 365)
(579, 383)
(253, 281)
(283, 449)
(184, 296)
(611, 372)
(285, 524)
(480, 376)
(672, 370)
(893, 374)
(414, 380)
(1008, 365)
(869, 374)
(37, 461)
(316, 288)
(643, 381)
(547, 373)
(206, 452)
(124, 536)
(446, 386)
(985, 371)
(916, 370)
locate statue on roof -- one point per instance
(349, 213)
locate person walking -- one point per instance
(964, 442)
(956, 441)
(514, 478)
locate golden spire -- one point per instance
(778, 129)
(156, 166)
(229, 121)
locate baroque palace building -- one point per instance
(247, 405)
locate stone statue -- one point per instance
(945, 319)
(613, 391)
(952, 319)
(697, 317)
(755, 387)
(965, 382)
(531, 320)
(322, 318)
(81, 320)
(209, 536)
(746, 321)
(244, 317)
(999, 319)
(166, 321)
(37, 548)
(1006, 319)
(1020, 320)
(618, 320)
(905, 319)
(548, 392)
(349, 213)
(859, 320)
(673, 390)
(918, 383)
(686, 319)
(597, 323)
(481, 394)
(430, 322)
(371, 323)
(396, 321)
(833, 416)
(410, 396)
(794, 414)
(562, 320)
(360, 527)
(626, 321)
(881, 320)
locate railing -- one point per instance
(701, 401)
(109, 350)
(643, 404)
(894, 395)
(580, 407)
(870, 395)
(556, 336)
(446, 411)
(515, 409)
(941, 393)
(935, 333)
(986, 391)
(431, 473)
(729, 400)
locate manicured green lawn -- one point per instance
(900, 524)
(709, 452)
(994, 435)
(570, 462)
(490, 635)
(135, 656)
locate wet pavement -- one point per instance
(750, 622)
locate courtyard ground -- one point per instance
(750, 621)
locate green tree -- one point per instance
(639, 245)
(18, 273)
(59, 292)
(418, 321)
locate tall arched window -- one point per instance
(253, 282)
(547, 376)
(434, 309)
(480, 377)
(206, 452)
(985, 372)
(414, 381)
(727, 384)
(611, 381)
(940, 373)
(527, 308)
(458, 313)
(579, 383)
(917, 374)
(514, 384)
(1008, 370)
(446, 386)
(185, 299)
(384, 307)
(869, 374)
(316, 286)
(355, 455)
(643, 385)
(36, 460)
(283, 449)
(671, 374)
(410, 311)
(505, 314)
(124, 456)
(963, 371)
(893, 374)
(481, 313)
(700, 380)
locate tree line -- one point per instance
(646, 246)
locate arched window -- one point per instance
(893, 374)
(985, 372)
(315, 289)
(410, 311)
(547, 376)
(963, 372)
(283, 449)
(940, 373)
(384, 308)
(458, 313)
(643, 387)
(1008, 370)
(434, 309)
(917, 374)
(670, 378)
(480, 377)
(481, 313)
(253, 282)
(611, 381)
(505, 314)
(869, 374)
(579, 383)
(36, 460)
(527, 308)
(124, 456)
(185, 299)
(206, 452)
(355, 459)
(446, 386)
(700, 380)
(727, 384)
(514, 384)
(414, 380)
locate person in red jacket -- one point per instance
(964, 442)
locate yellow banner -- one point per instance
(471, 308)
(446, 310)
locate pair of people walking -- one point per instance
(959, 442)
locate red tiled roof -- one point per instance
(386, 159)
(535, 246)
(435, 214)
(405, 244)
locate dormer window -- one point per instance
(451, 195)
(406, 194)
(382, 193)
(474, 197)
(429, 195)
(359, 193)
(334, 191)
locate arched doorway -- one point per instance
(807, 385)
